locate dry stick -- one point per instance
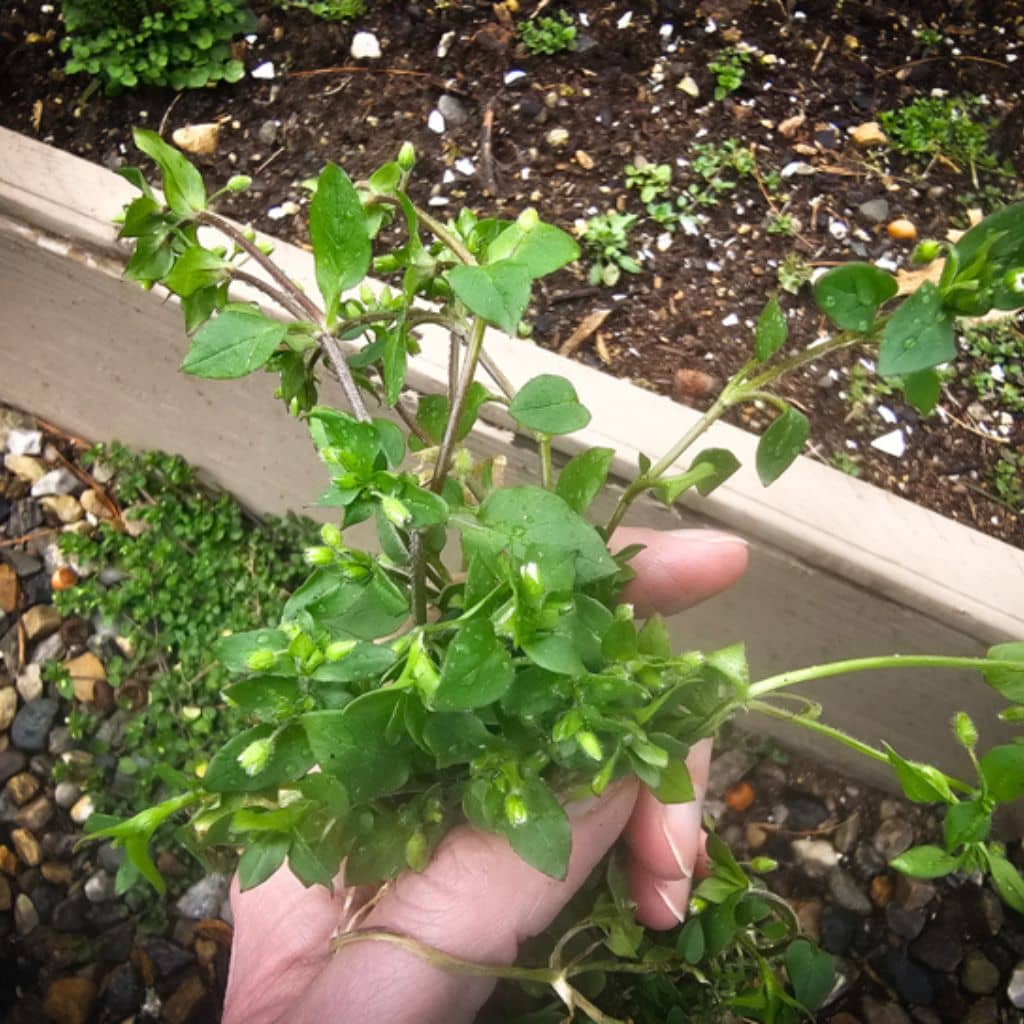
(821, 53)
(167, 114)
(51, 428)
(346, 69)
(587, 326)
(928, 60)
(490, 182)
(28, 536)
(270, 159)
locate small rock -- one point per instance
(22, 787)
(11, 762)
(63, 578)
(70, 1000)
(992, 911)
(122, 992)
(911, 982)
(845, 891)
(689, 86)
(8, 705)
(8, 861)
(788, 128)
(27, 847)
(25, 467)
(883, 1013)
(99, 887)
(25, 442)
(907, 924)
(267, 132)
(755, 836)
(939, 948)
(57, 481)
(894, 443)
(847, 833)
(557, 137)
(32, 724)
(365, 46)
(817, 856)
(798, 167)
(86, 671)
(82, 810)
(983, 1011)
(726, 770)
(1015, 989)
(805, 812)
(23, 563)
(203, 899)
(913, 893)
(110, 858)
(30, 683)
(57, 874)
(26, 917)
(689, 385)
(50, 649)
(452, 110)
(40, 621)
(868, 134)
(874, 210)
(6, 896)
(881, 890)
(979, 975)
(8, 589)
(65, 507)
(66, 793)
(837, 929)
(94, 505)
(168, 959)
(24, 518)
(263, 72)
(809, 913)
(435, 122)
(902, 230)
(182, 1005)
(894, 836)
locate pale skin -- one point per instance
(476, 899)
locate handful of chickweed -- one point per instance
(428, 697)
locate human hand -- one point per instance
(477, 899)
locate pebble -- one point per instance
(913, 893)
(30, 683)
(365, 46)
(868, 134)
(894, 836)
(818, 856)
(122, 992)
(58, 874)
(688, 86)
(23, 564)
(57, 481)
(70, 1000)
(805, 812)
(907, 924)
(788, 127)
(837, 929)
(40, 621)
(8, 706)
(689, 385)
(32, 724)
(267, 132)
(24, 442)
(809, 914)
(198, 139)
(86, 671)
(874, 210)
(939, 948)
(8, 589)
(82, 810)
(36, 815)
(26, 917)
(50, 649)
(845, 891)
(25, 467)
(99, 887)
(893, 443)
(979, 975)
(452, 110)
(911, 982)
(557, 137)
(65, 507)
(435, 122)
(6, 896)
(22, 787)
(847, 833)
(900, 229)
(63, 578)
(983, 1011)
(11, 762)
(883, 1013)
(94, 505)
(181, 1007)
(24, 518)
(8, 861)
(798, 167)
(168, 959)
(203, 899)
(1015, 988)
(263, 72)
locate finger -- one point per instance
(666, 842)
(476, 900)
(680, 568)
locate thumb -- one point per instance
(476, 900)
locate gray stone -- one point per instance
(25, 517)
(122, 992)
(907, 924)
(913, 893)
(1015, 989)
(11, 762)
(66, 793)
(845, 892)
(939, 948)
(875, 210)
(57, 481)
(168, 958)
(69, 914)
(204, 898)
(726, 770)
(992, 911)
(894, 836)
(110, 858)
(32, 724)
(30, 683)
(23, 563)
(453, 111)
(9, 644)
(806, 812)
(883, 1013)
(979, 975)
(912, 983)
(26, 917)
(837, 928)
(847, 833)
(50, 649)
(99, 887)
(60, 740)
(817, 856)
(25, 442)
(267, 133)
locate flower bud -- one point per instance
(567, 726)
(255, 756)
(1014, 280)
(925, 252)
(515, 810)
(763, 865)
(239, 183)
(965, 730)
(416, 851)
(331, 535)
(394, 510)
(406, 157)
(590, 744)
(386, 264)
(262, 659)
(339, 649)
(265, 247)
(528, 219)
(318, 556)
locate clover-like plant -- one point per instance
(479, 666)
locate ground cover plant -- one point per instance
(428, 697)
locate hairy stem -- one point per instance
(444, 456)
(337, 359)
(282, 299)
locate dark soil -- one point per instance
(619, 98)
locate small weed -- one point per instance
(652, 181)
(945, 128)
(548, 34)
(864, 389)
(846, 464)
(729, 68)
(999, 346)
(606, 239)
(329, 10)
(781, 224)
(1005, 479)
(793, 273)
(928, 37)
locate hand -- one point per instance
(477, 899)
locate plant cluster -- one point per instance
(998, 346)
(730, 69)
(194, 567)
(329, 10)
(184, 44)
(428, 698)
(606, 240)
(549, 34)
(945, 127)
(1007, 480)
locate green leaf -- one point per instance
(716, 465)
(920, 782)
(238, 341)
(544, 839)
(771, 332)
(261, 859)
(811, 972)
(1007, 879)
(310, 863)
(196, 268)
(999, 239)
(1009, 681)
(541, 249)
(549, 405)
(676, 786)
(925, 862)
(919, 335)
(1002, 768)
(290, 758)
(498, 294)
(851, 294)
(432, 412)
(355, 444)
(583, 476)
(341, 242)
(967, 822)
(265, 696)
(653, 640)
(366, 661)
(531, 520)
(556, 653)
(351, 745)
(425, 507)
(476, 670)
(456, 737)
(350, 609)
(780, 444)
(183, 184)
(922, 390)
(690, 944)
(233, 651)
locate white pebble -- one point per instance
(514, 76)
(264, 72)
(887, 414)
(626, 20)
(465, 166)
(445, 45)
(731, 320)
(276, 213)
(25, 442)
(436, 122)
(893, 443)
(365, 46)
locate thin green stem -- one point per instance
(444, 455)
(780, 369)
(418, 564)
(813, 725)
(838, 668)
(544, 451)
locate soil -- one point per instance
(624, 94)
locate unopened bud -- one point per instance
(1014, 280)
(763, 865)
(265, 247)
(262, 659)
(318, 556)
(255, 756)
(394, 510)
(331, 535)
(416, 851)
(965, 730)
(528, 219)
(515, 810)
(239, 183)
(339, 649)
(590, 744)
(386, 264)
(925, 252)
(406, 157)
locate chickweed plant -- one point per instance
(606, 240)
(549, 34)
(495, 694)
(730, 69)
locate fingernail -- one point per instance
(670, 899)
(682, 819)
(709, 537)
(685, 870)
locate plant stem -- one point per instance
(344, 375)
(544, 450)
(285, 301)
(417, 558)
(839, 736)
(444, 456)
(838, 668)
(778, 370)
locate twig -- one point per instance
(473, 350)
(973, 430)
(28, 536)
(929, 60)
(821, 53)
(487, 176)
(51, 428)
(167, 113)
(270, 159)
(575, 293)
(587, 326)
(348, 69)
